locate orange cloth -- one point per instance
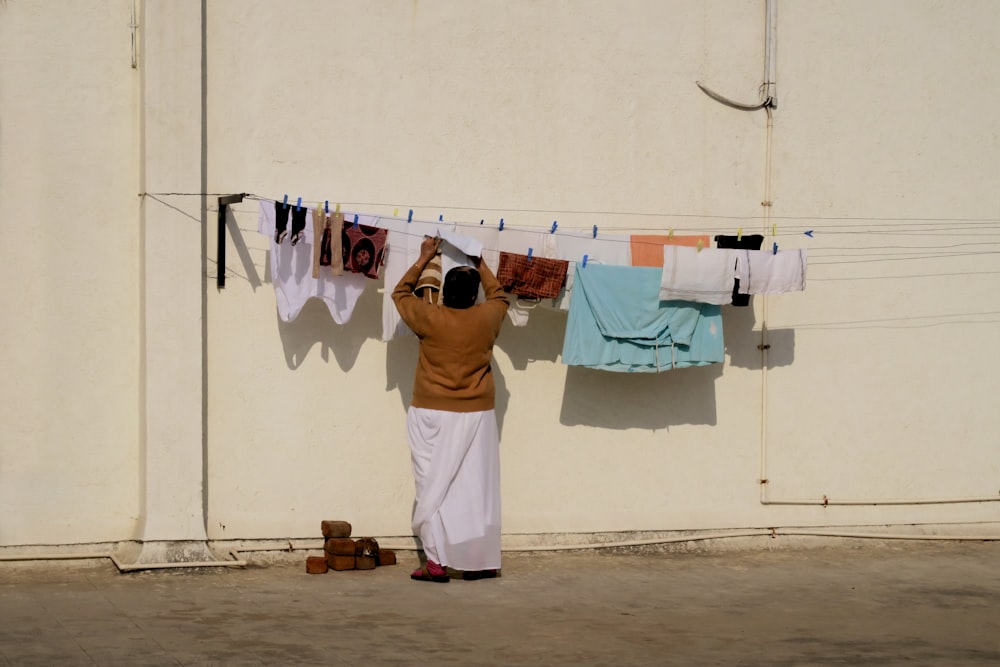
(647, 249)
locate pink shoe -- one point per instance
(431, 572)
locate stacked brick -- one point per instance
(341, 552)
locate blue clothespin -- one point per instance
(481, 221)
(285, 201)
(441, 218)
(809, 233)
(555, 225)
(298, 204)
(326, 206)
(409, 218)
(355, 220)
(775, 251)
(501, 224)
(529, 253)
(585, 261)
(595, 231)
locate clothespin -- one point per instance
(338, 208)
(595, 231)
(481, 221)
(701, 244)
(298, 204)
(326, 207)
(739, 233)
(529, 253)
(501, 224)
(395, 212)
(774, 229)
(355, 220)
(555, 225)
(775, 251)
(671, 235)
(441, 218)
(285, 201)
(809, 233)
(585, 261)
(409, 218)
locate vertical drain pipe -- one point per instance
(768, 101)
(770, 95)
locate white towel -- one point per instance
(702, 276)
(764, 272)
(457, 250)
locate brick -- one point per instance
(339, 546)
(386, 557)
(364, 562)
(335, 528)
(339, 563)
(316, 565)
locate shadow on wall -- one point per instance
(401, 366)
(742, 341)
(249, 270)
(540, 340)
(314, 326)
(639, 400)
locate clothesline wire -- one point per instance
(917, 221)
(822, 251)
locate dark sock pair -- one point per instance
(281, 222)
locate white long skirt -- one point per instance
(456, 466)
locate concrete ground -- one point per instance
(887, 603)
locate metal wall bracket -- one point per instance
(224, 203)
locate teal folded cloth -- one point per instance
(618, 323)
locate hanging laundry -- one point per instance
(489, 242)
(745, 242)
(299, 214)
(363, 248)
(519, 309)
(292, 277)
(457, 250)
(702, 275)
(647, 249)
(617, 323)
(327, 246)
(538, 277)
(402, 249)
(763, 272)
(280, 221)
(603, 249)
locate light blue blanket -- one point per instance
(618, 323)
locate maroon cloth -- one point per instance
(364, 249)
(537, 277)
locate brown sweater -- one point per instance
(456, 345)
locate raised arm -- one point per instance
(407, 303)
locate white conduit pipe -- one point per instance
(122, 567)
(771, 532)
(758, 532)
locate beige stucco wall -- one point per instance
(877, 381)
(69, 409)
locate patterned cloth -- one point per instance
(537, 277)
(327, 249)
(363, 248)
